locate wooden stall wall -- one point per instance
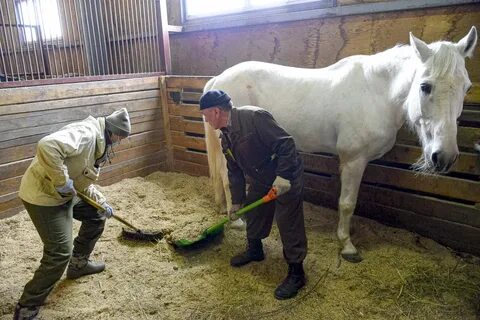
(320, 42)
(444, 208)
(29, 113)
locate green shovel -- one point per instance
(218, 227)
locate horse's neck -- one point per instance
(396, 68)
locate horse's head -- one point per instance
(435, 100)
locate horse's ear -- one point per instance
(466, 46)
(421, 48)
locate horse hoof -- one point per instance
(352, 257)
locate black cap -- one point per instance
(213, 98)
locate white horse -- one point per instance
(354, 109)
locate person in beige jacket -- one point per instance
(67, 160)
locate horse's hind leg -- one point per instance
(351, 176)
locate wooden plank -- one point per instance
(186, 110)
(179, 123)
(136, 173)
(11, 212)
(427, 206)
(75, 90)
(466, 137)
(13, 169)
(139, 124)
(133, 165)
(9, 185)
(166, 122)
(182, 140)
(455, 235)
(99, 100)
(438, 185)
(186, 82)
(473, 95)
(192, 97)
(404, 154)
(28, 151)
(183, 154)
(193, 169)
(40, 123)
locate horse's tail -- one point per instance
(216, 162)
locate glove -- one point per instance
(67, 189)
(107, 210)
(281, 185)
(231, 213)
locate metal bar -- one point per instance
(87, 41)
(6, 45)
(20, 16)
(117, 40)
(81, 40)
(111, 36)
(153, 38)
(98, 44)
(17, 38)
(104, 20)
(131, 37)
(59, 48)
(90, 21)
(111, 44)
(1, 50)
(44, 50)
(147, 37)
(127, 58)
(63, 40)
(143, 36)
(12, 39)
(72, 37)
(31, 83)
(138, 38)
(46, 41)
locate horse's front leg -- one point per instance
(351, 173)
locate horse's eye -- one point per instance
(426, 88)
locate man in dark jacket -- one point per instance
(258, 149)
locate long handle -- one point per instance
(94, 204)
(271, 195)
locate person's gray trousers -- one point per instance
(288, 212)
(54, 225)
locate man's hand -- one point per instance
(233, 210)
(67, 189)
(281, 185)
(107, 210)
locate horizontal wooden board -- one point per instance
(23, 109)
(136, 173)
(425, 205)
(75, 90)
(184, 154)
(458, 236)
(193, 169)
(186, 110)
(473, 95)
(179, 123)
(462, 189)
(182, 140)
(466, 137)
(186, 82)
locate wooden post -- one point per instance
(166, 121)
(166, 61)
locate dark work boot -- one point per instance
(254, 253)
(292, 283)
(80, 266)
(25, 313)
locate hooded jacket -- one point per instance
(70, 152)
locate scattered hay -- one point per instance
(403, 275)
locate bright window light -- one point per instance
(198, 8)
(43, 13)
